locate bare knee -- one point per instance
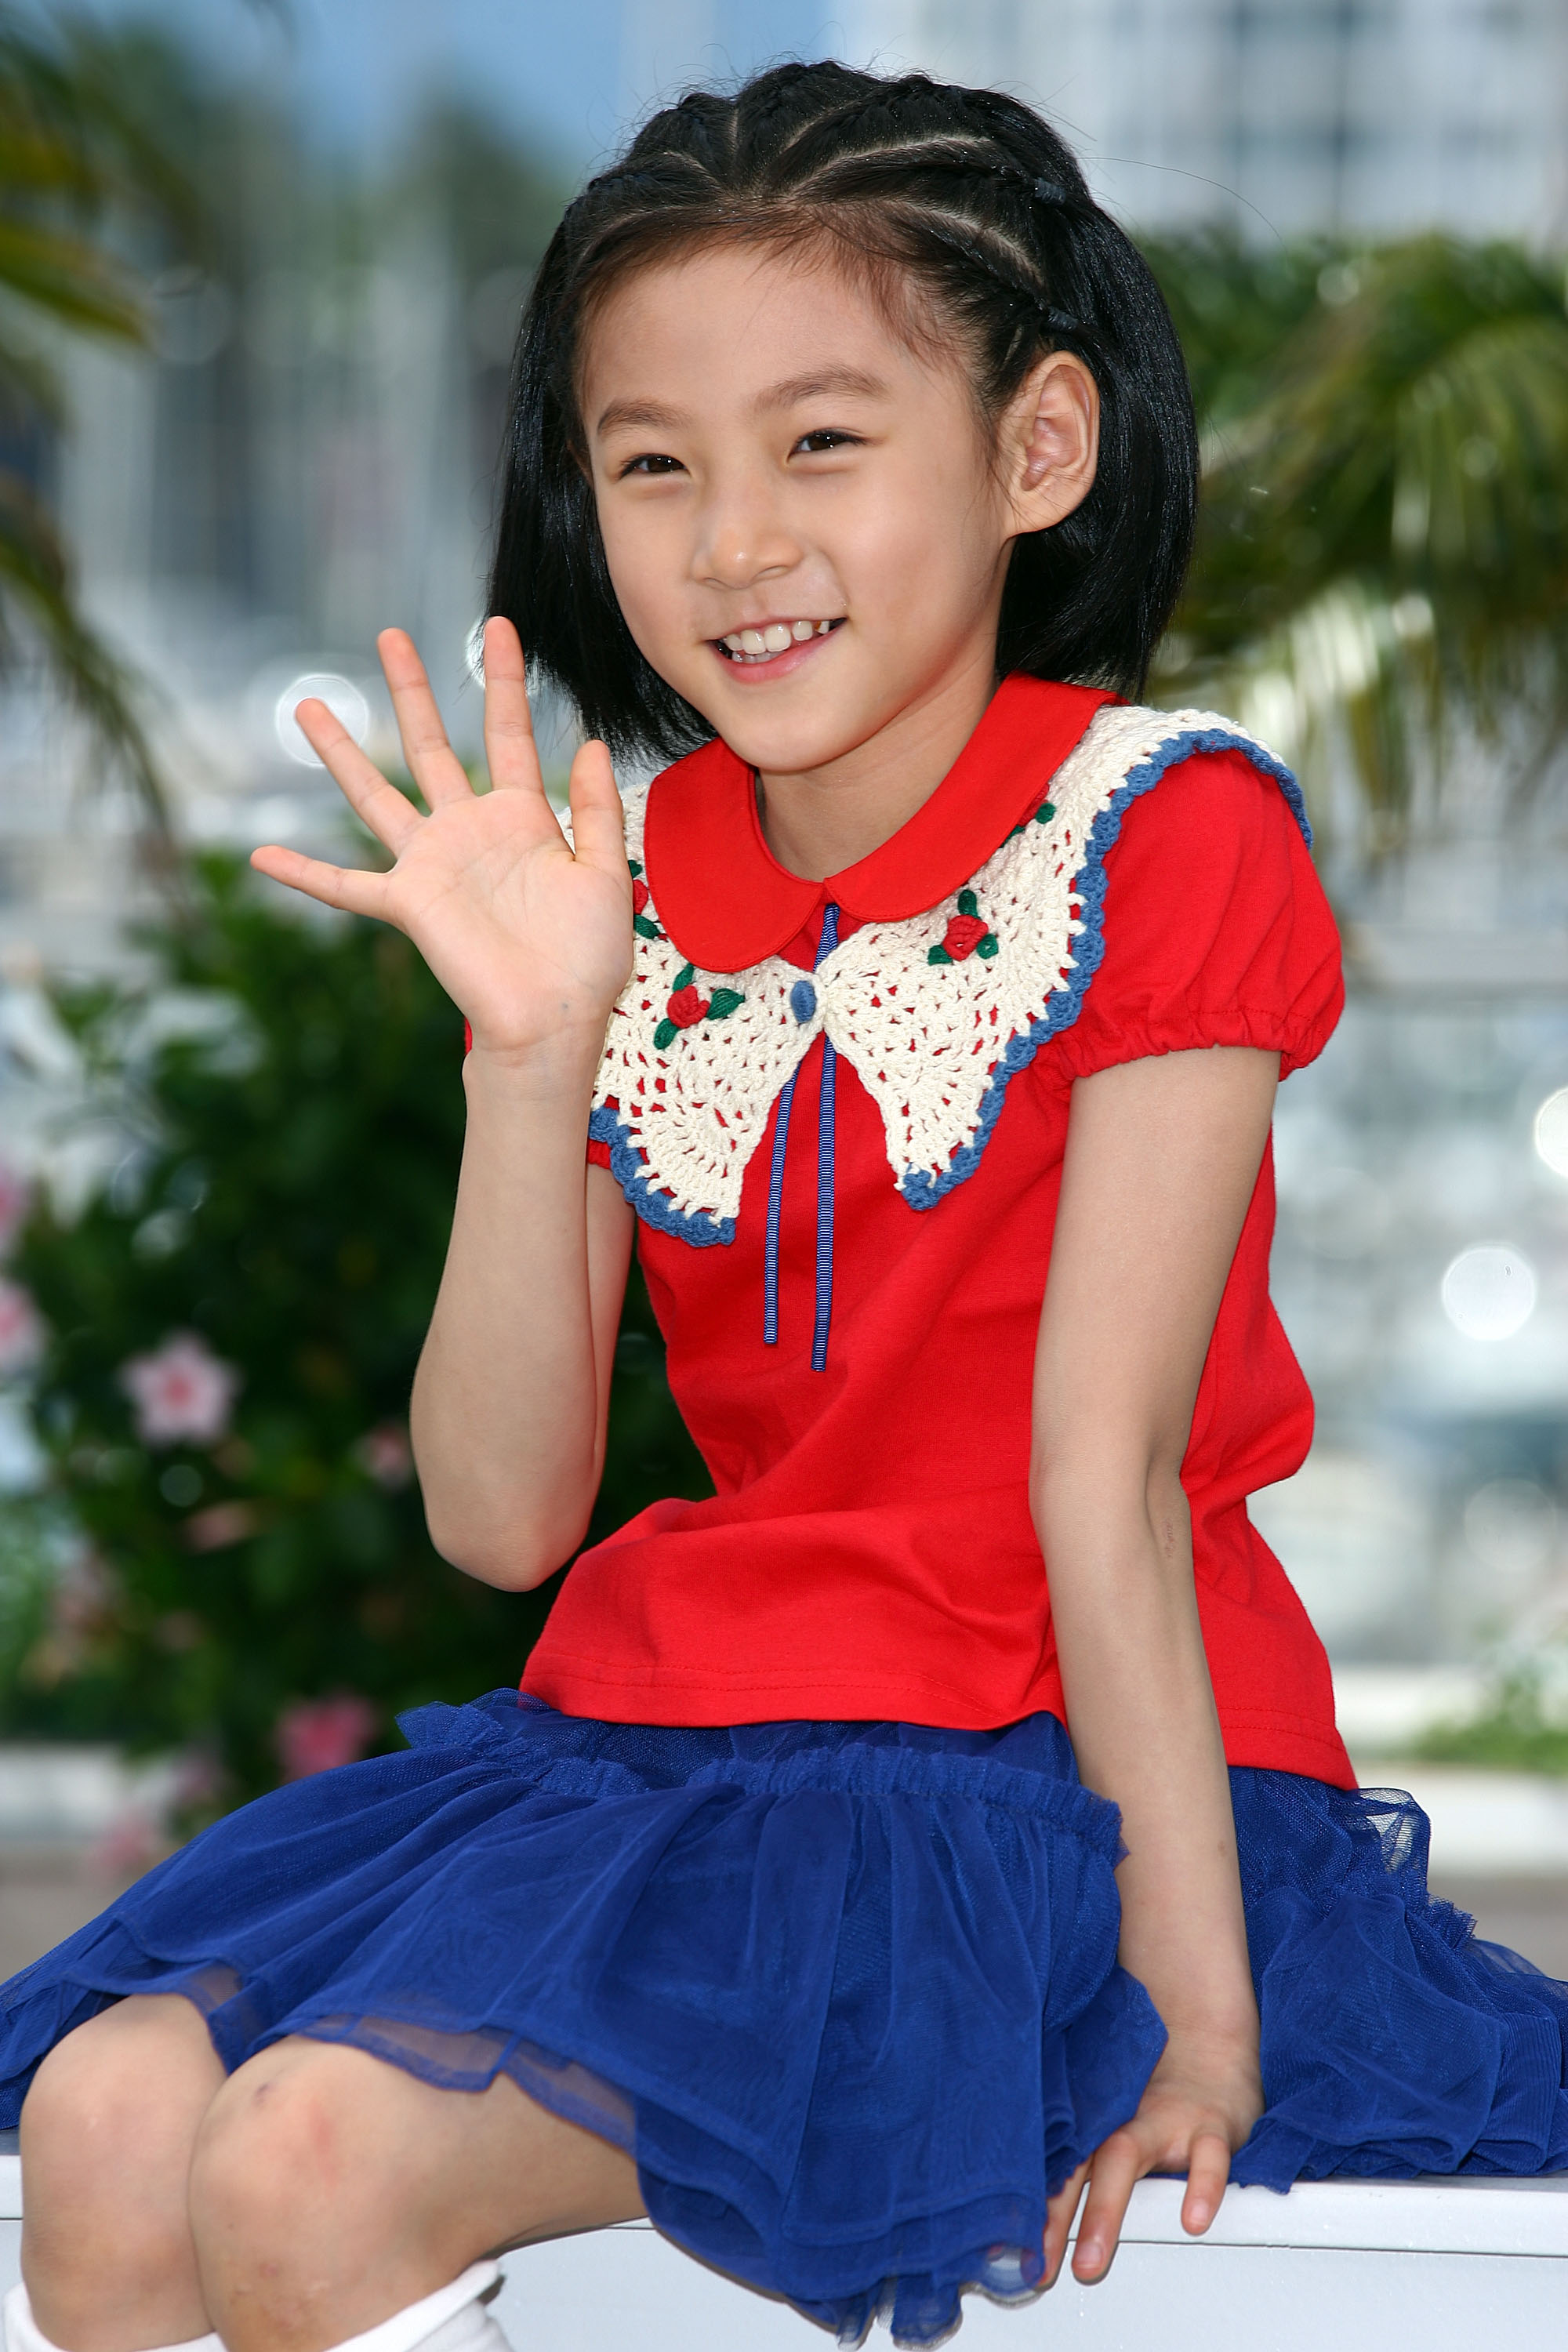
(107, 2132)
(282, 2167)
(117, 2101)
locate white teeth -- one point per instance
(776, 637)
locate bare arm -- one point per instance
(532, 937)
(1160, 1162)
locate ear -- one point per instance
(1051, 442)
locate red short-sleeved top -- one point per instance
(850, 1315)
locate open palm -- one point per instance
(529, 934)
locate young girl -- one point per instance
(923, 1022)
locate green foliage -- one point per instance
(1234, 306)
(296, 1089)
(1515, 1732)
(78, 163)
(1382, 556)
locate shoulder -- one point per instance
(1188, 801)
(1197, 769)
(1205, 921)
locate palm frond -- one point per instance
(1385, 536)
(35, 583)
(76, 164)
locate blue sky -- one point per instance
(556, 69)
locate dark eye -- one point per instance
(813, 445)
(651, 464)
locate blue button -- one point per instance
(803, 1000)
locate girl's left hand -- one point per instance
(1202, 2101)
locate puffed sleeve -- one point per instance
(1215, 928)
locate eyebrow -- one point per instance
(816, 384)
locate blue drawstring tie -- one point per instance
(802, 1005)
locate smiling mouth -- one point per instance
(775, 637)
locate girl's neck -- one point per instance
(827, 818)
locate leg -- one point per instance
(107, 2134)
(331, 2190)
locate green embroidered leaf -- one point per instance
(635, 869)
(645, 929)
(939, 955)
(989, 946)
(683, 978)
(1043, 816)
(968, 904)
(665, 1035)
(723, 1002)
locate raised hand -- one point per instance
(531, 936)
(1202, 2100)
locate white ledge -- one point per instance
(1437, 2216)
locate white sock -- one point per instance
(23, 2334)
(453, 2319)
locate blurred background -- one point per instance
(260, 266)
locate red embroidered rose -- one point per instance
(685, 1008)
(962, 936)
(966, 934)
(639, 896)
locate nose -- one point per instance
(742, 536)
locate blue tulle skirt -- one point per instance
(848, 1993)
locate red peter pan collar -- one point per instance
(726, 901)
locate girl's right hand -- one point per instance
(529, 934)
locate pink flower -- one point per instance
(21, 1330)
(385, 1454)
(316, 1735)
(132, 1843)
(220, 1525)
(180, 1390)
(16, 1199)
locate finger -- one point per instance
(1118, 2164)
(1208, 2170)
(1059, 2215)
(432, 762)
(598, 820)
(510, 748)
(335, 886)
(377, 804)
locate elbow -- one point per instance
(515, 1556)
(1085, 1498)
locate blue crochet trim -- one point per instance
(653, 1207)
(919, 1186)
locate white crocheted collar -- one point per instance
(936, 1013)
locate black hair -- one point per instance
(961, 199)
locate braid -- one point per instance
(966, 200)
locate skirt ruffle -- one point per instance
(848, 1992)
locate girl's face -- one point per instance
(806, 529)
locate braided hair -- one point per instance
(963, 210)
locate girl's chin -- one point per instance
(779, 742)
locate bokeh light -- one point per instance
(1551, 1132)
(343, 698)
(1489, 1292)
